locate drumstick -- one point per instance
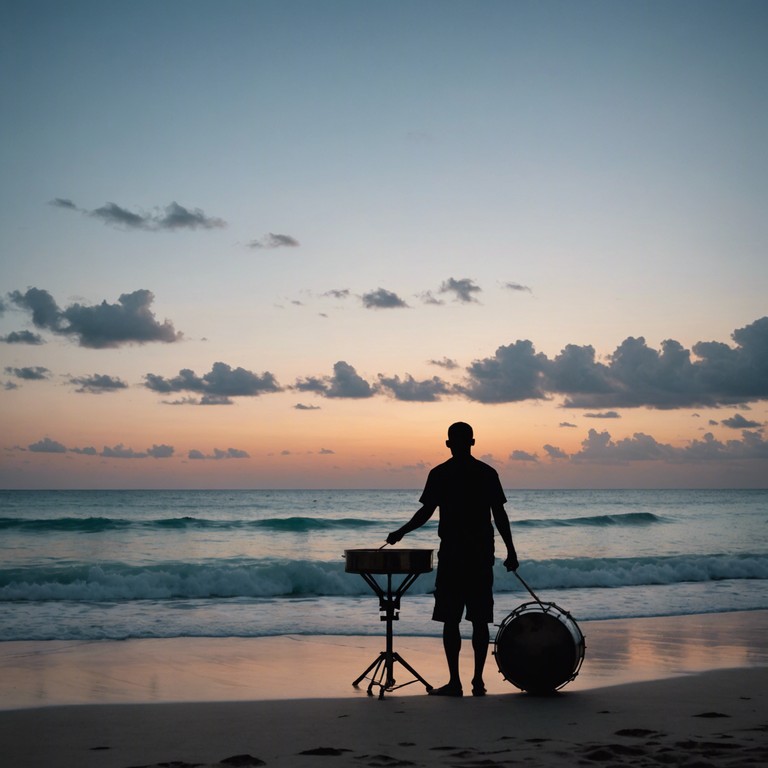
(529, 589)
(382, 546)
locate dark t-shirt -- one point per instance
(464, 489)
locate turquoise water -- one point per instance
(118, 564)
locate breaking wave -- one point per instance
(303, 578)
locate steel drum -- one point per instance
(388, 560)
(539, 648)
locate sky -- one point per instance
(285, 244)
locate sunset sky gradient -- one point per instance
(287, 243)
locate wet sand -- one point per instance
(667, 691)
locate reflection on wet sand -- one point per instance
(639, 649)
(34, 674)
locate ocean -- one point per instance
(84, 565)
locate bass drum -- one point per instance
(539, 648)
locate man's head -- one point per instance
(460, 438)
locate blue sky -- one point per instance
(405, 188)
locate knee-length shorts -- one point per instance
(461, 587)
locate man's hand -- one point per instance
(394, 537)
(511, 563)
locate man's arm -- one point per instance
(502, 526)
(415, 522)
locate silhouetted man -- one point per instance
(468, 493)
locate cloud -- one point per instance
(121, 452)
(111, 213)
(382, 299)
(22, 337)
(172, 217)
(326, 452)
(517, 287)
(427, 297)
(178, 217)
(634, 375)
(62, 202)
(204, 400)
(217, 386)
(722, 375)
(566, 424)
(302, 407)
(46, 445)
(751, 446)
(272, 240)
(553, 452)
(514, 373)
(601, 448)
(523, 456)
(408, 389)
(446, 363)
(29, 373)
(218, 454)
(45, 311)
(160, 451)
(575, 370)
(98, 383)
(99, 326)
(463, 289)
(88, 451)
(602, 415)
(337, 293)
(737, 421)
(345, 383)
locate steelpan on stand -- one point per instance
(369, 563)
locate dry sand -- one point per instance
(699, 700)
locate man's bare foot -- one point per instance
(478, 688)
(451, 689)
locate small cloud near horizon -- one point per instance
(218, 454)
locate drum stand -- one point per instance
(382, 667)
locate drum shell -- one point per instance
(388, 560)
(539, 648)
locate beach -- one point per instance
(677, 690)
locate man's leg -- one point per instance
(452, 648)
(480, 639)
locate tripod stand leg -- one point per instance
(397, 657)
(375, 663)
